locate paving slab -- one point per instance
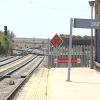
(84, 84)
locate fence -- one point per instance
(81, 52)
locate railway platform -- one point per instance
(84, 84)
(51, 84)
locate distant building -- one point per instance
(22, 43)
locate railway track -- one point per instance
(9, 60)
(10, 70)
(12, 79)
(12, 63)
(5, 58)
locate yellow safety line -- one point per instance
(49, 86)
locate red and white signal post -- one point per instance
(56, 41)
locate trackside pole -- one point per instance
(70, 49)
(56, 58)
(48, 52)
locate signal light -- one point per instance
(5, 38)
(5, 30)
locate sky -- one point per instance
(42, 18)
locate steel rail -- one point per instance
(11, 61)
(6, 58)
(11, 94)
(5, 73)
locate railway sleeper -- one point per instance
(15, 76)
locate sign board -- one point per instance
(56, 41)
(86, 23)
(66, 60)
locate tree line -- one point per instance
(76, 37)
(5, 42)
(77, 40)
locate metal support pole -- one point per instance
(51, 56)
(56, 57)
(48, 52)
(92, 64)
(69, 51)
(91, 3)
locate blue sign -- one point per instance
(86, 23)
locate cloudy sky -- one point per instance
(42, 18)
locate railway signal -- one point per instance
(56, 41)
(5, 30)
(6, 39)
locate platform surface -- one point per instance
(84, 84)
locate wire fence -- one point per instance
(81, 52)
